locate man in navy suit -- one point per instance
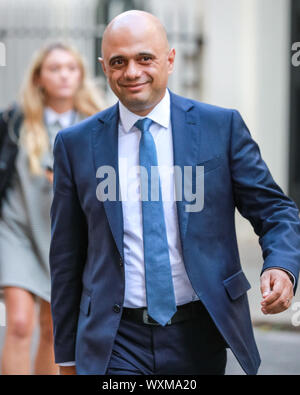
(153, 286)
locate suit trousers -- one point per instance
(192, 347)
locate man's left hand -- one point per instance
(277, 291)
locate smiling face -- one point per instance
(137, 60)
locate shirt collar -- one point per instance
(65, 119)
(160, 114)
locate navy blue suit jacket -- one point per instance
(86, 254)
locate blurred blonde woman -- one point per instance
(55, 95)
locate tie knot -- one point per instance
(143, 124)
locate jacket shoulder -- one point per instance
(84, 127)
(80, 128)
(202, 107)
(211, 116)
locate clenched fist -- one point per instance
(277, 291)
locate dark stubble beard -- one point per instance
(142, 106)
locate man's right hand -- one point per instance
(67, 370)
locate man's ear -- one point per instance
(171, 60)
(102, 64)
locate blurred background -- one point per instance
(231, 53)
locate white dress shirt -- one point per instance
(129, 139)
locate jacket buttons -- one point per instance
(121, 262)
(117, 308)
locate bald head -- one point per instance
(135, 21)
(137, 60)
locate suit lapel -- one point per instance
(186, 142)
(105, 151)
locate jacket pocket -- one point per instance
(85, 303)
(211, 164)
(236, 285)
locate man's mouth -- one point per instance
(135, 86)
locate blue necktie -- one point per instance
(161, 303)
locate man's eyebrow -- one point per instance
(145, 54)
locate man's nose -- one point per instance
(132, 71)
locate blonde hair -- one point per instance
(34, 136)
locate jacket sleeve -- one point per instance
(274, 217)
(68, 251)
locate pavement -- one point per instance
(277, 336)
(279, 352)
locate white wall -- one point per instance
(183, 22)
(246, 66)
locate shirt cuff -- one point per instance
(72, 363)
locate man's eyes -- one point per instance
(117, 62)
(146, 58)
(122, 62)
